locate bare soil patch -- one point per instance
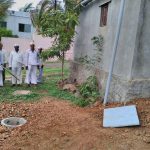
(59, 125)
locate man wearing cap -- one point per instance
(4, 53)
(32, 63)
(41, 65)
(16, 65)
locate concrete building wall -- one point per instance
(13, 20)
(142, 52)
(125, 51)
(88, 28)
(131, 76)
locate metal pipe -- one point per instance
(9, 72)
(121, 12)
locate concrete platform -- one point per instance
(121, 117)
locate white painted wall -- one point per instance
(14, 18)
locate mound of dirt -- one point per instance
(57, 125)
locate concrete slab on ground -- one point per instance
(22, 92)
(121, 117)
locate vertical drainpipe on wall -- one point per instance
(121, 12)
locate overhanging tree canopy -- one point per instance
(58, 24)
(27, 7)
(4, 5)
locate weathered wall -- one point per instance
(89, 27)
(131, 76)
(83, 46)
(141, 61)
(126, 46)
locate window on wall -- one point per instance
(24, 28)
(104, 14)
(3, 24)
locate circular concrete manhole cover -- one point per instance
(13, 122)
(22, 92)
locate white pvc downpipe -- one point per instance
(121, 12)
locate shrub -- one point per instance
(89, 89)
(15, 36)
(5, 32)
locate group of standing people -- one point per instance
(17, 61)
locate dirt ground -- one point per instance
(59, 125)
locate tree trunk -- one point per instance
(62, 68)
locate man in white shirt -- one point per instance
(5, 54)
(16, 65)
(32, 63)
(1, 68)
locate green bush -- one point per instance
(5, 32)
(89, 89)
(15, 36)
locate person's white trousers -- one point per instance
(17, 72)
(31, 74)
(1, 78)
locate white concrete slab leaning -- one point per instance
(121, 117)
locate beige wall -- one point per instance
(46, 42)
(43, 42)
(8, 43)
